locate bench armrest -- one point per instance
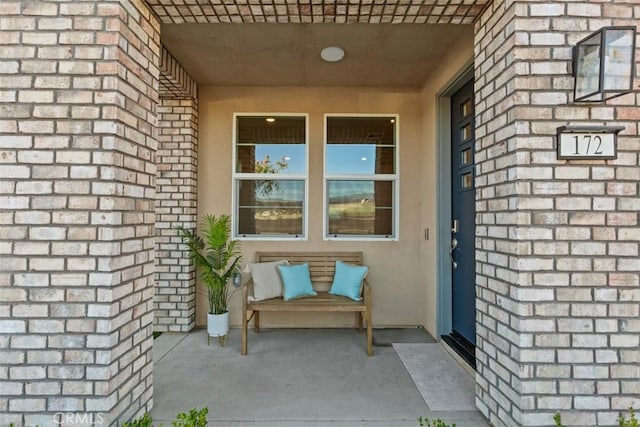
(247, 289)
(248, 285)
(366, 292)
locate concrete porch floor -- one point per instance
(293, 377)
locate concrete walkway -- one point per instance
(293, 377)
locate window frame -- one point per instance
(238, 176)
(394, 178)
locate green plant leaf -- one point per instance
(557, 418)
(215, 256)
(193, 418)
(143, 421)
(631, 422)
(426, 422)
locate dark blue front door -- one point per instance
(462, 251)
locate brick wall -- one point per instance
(558, 241)
(176, 194)
(558, 282)
(497, 394)
(175, 82)
(78, 96)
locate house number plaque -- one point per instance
(588, 142)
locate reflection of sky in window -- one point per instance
(347, 159)
(294, 155)
(356, 159)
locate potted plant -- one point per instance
(217, 258)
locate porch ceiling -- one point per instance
(318, 11)
(379, 55)
(267, 55)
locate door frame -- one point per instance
(444, 276)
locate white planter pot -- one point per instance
(218, 326)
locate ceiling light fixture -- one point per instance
(332, 54)
(270, 120)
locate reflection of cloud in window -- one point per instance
(359, 190)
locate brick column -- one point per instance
(78, 96)
(176, 194)
(558, 241)
(175, 297)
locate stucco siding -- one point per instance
(398, 274)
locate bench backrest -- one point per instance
(322, 265)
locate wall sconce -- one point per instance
(603, 64)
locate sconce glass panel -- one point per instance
(603, 64)
(588, 68)
(618, 59)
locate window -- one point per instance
(361, 178)
(270, 176)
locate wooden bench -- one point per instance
(321, 268)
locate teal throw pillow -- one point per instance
(348, 280)
(296, 282)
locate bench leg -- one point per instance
(245, 321)
(369, 335)
(256, 322)
(359, 316)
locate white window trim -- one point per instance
(237, 176)
(395, 178)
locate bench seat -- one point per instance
(324, 301)
(321, 270)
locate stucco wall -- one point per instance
(397, 272)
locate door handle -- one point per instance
(454, 245)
